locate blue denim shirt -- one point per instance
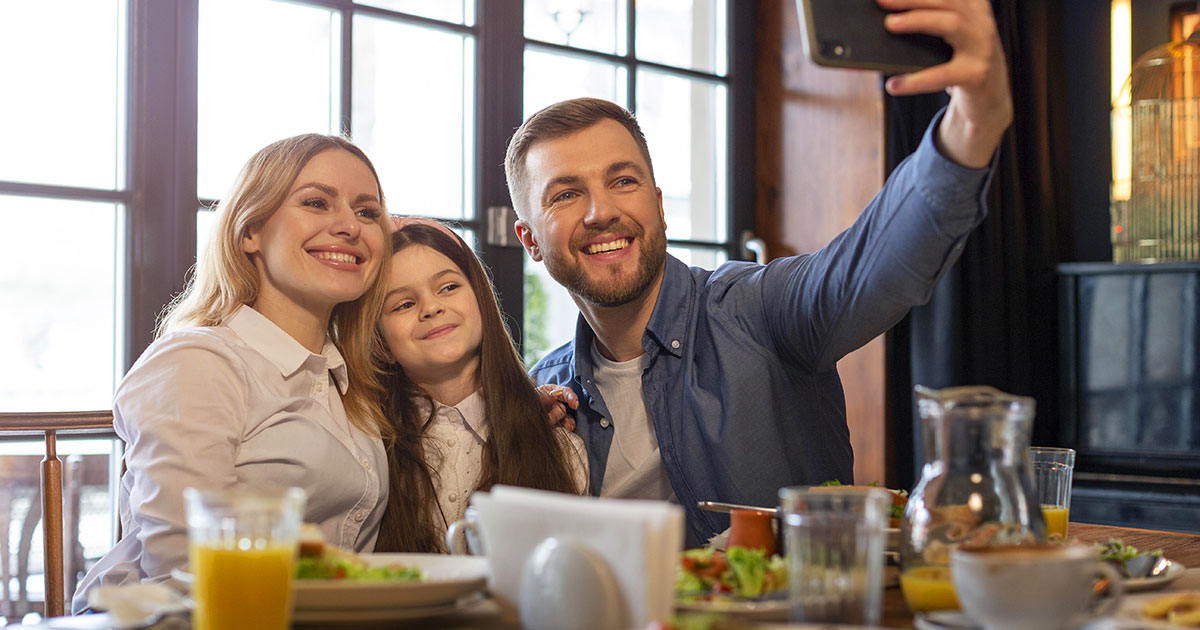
(741, 381)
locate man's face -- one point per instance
(594, 214)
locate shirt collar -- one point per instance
(672, 314)
(283, 351)
(470, 408)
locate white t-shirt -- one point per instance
(240, 404)
(454, 447)
(634, 469)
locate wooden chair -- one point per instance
(49, 425)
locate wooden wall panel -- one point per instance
(820, 159)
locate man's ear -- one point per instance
(525, 235)
(662, 215)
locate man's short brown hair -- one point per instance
(558, 120)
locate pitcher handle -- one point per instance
(456, 537)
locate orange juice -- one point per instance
(242, 588)
(928, 588)
(1056, 519)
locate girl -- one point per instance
(261, 372)
(466, 415)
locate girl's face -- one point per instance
(431, 321)
(324, 245)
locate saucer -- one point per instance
(958, 620)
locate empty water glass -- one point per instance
(834, 542)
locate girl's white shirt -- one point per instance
(454, 450)
(240, 404)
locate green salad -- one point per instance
(323, 568)
(706, 574)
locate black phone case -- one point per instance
(850, 34)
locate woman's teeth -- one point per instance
(600, 248)
(337, 256)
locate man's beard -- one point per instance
(611, 291)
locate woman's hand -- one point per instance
(556, 399)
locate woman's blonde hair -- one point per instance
(224, 277)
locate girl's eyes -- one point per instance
(403, 306)
(369, 213)
(449, 287)
(315, 202)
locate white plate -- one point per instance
(445, 580)
(1130, 613)
(1173, 572)
(766, 610)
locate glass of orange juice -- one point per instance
(1052, 469)
(242, 549)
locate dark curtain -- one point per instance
(993, 319)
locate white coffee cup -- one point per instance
(1033, 587)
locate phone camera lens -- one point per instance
(834, 49)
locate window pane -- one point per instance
(268, 70)
(457, 11)
(599, 25)
(685, 125)
(205, 219)
(552, 77)
(683, 34)
(699, 256)
(550, 313)
(61, 118)
(61, 341)
(413, 114)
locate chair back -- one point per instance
(48, 425)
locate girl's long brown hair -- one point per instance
(521, 448)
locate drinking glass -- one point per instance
(242, 548)
(1052, 468)
(834, 543)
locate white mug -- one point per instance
(1033, 587)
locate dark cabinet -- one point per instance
(1130, 392)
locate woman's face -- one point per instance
(324, 244)
(431, 321)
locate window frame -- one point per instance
(160, 196)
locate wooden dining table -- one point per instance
(1178, 547)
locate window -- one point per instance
(139, 125)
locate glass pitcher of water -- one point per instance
(976, 486)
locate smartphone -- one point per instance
(850, 34)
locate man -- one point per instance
(722, 385)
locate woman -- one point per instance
(466, 415)
(261, 372)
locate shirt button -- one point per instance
(675, 344)
(365, 464)
(454, 498)
(452, 442)
(358, 515)
(604, 422)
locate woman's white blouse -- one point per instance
(454, 450)
(241, 404)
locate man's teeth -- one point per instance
(608, 247)
(339, 257)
